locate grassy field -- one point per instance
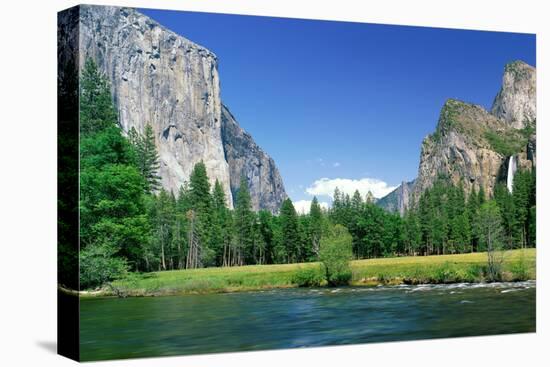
(518, 265)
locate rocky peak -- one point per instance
(472, 146)
(516, 102)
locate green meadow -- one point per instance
(471, 268)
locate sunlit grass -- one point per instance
(518, 265)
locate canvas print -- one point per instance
(236, 183)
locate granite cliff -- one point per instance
(473, 146)
(161, 78)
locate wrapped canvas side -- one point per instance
(67, 183)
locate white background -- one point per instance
(28, 182)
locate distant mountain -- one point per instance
(398, 199)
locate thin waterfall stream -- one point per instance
(512, 167)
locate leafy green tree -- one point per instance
(336, 254)
(99, 265)
(112, 211)
(491, 237)
(114, 229)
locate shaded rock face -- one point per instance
(247, 159)
(397, 201)
(160, 78)
(516, 102)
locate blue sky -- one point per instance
(346, 101)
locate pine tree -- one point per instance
(356, 202)
(315, 225)
(336, 213)
(290, 231)
(369, 198)
(481, 196)
(522, 204)
(221, 231)
(164, 221)
(413, 232)
(505, 202)
(97, 111)
(459, 227)
(532, 218)
(244, 225)
(179, 237)
(473, 213)
(265, 229)
(147, 157)
(426, 214)
(199, 189)
(199, 217)
(371, 232)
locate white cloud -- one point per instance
(302, 206)
(336, 164)
(326, 186)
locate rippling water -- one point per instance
(290, 318)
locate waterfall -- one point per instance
(511, 172)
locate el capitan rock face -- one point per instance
(160, 78)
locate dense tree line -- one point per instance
(445, 220)
(129, 223)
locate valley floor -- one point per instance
(468, 268)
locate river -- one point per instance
(291, 318)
